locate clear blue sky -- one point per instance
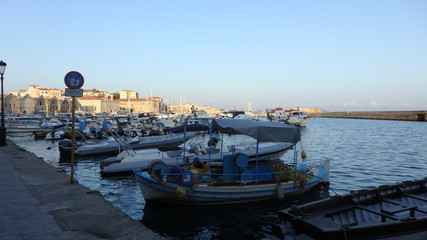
(335, 55)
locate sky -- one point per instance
(338, 55)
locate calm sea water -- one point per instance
(363, 153)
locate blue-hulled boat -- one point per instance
(235, 179)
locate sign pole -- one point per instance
(74, 81)
(72, 140)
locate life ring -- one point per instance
(241, 160)
(157, 169)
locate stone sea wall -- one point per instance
(383, 115)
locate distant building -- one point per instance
(128, 94)
(141, 105)
(311, 110)
(188, 108)
(17, 104)
(97, 93)
(36, 91)
(185, 109)
(18, 93)
(12, 104)
(98, 105)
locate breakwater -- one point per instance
(383, 115)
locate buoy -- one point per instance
(180, 193)
(280, 193)
(303, 154)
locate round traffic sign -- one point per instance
(74, 80)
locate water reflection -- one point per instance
(238, 221)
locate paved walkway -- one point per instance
(38, 202)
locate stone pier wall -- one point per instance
(383, 115)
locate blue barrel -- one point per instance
(82, 125)
(105, 124)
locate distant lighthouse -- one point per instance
(249, 107)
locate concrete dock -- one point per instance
(38, 202)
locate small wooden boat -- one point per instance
(227, 182)
(387, 212)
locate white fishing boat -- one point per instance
(30, 125)
(277, 115)
(297, 118)
(235, 178)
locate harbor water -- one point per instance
(362, 153)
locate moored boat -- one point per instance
(277, 115)
(126, 162)
(388, 212)
(31, 125)
(167, 141)
(297, 118)
(235, 178)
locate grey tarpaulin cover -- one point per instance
(261, 131)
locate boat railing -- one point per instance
(123, 144)
(193, 177)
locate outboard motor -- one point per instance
(64, 147)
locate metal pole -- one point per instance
(72, 141)
(2, 127)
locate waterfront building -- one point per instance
(16, 104)
(98, 94)
(42, 105)
(12, 104)
(187, 109)
(128, 94)
(98, 105)
(141, 105)
(18, 93)
(36, 91)
(28, 104)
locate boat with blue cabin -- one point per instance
(235, 178)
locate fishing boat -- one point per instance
(116, 144)
(235, 178)
(396, 211)
(297, 118)
(277, 115)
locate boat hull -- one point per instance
(155, 190)
(161, 142)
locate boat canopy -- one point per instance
(261, 131)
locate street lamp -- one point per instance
(2, 127)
